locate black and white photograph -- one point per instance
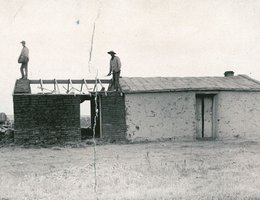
(130, 100)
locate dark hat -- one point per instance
(23, 42)
(111, 52)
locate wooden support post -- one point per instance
(41, 85)
(68, 88)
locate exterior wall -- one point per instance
(46, 119)
(152, 116)
(238, 115)
(113, 117)
(160, 115)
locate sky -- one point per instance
(152, 38)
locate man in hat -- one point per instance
(115, 68)
(24, 59)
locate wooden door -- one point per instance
(204, 116)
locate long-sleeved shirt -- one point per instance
(115, 64)
(25, 52)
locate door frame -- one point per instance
(213, 95)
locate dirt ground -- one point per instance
(162, 170)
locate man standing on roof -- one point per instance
(115, 68)
(24, 59)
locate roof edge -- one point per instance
(249, 78)
(193, 90)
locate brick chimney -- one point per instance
(229, 73)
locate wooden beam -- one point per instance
(74, 81)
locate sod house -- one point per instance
(191, 108)
(181, 108)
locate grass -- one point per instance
(163, 170)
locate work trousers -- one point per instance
(24, 70)
(116, 76)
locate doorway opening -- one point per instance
(88, 113)
(205, 115)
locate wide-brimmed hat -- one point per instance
(23, 42)
(111, 52)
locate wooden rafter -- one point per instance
(41, 83)
(57, 86)
(70, 85)
(85, 82)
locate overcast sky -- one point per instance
(152, 38)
